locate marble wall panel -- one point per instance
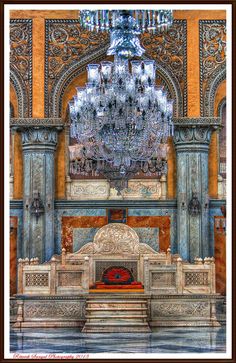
(83, 212)
(165, 238)
(81, 236)
(157, 223)
(13, 254)
(220, 254)
(149, 235)
(69, 223)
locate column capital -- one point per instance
(38, 134)
(194, 134)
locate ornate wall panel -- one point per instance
(68, 49)
(169, 50)
(21, 63)
(212, 35)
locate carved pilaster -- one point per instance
(192, 137)
(39, 141)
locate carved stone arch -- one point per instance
(218, 76)
(21, 93)
(66, 76)
(220, 107)
(12, 111)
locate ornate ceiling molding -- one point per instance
(21, 63)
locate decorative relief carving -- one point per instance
(192, 134)
(55, 310)
(36, 279)
(116, 238)
(170, 50)
(66, 43)
(212, 58)
(69, 48)
(145, 189)
(30, 122)
(189, 309)
(69, 278)
(163, 279)
(39, 136)
(21, 61)
(88, 189)
(196, 278)
(196, 121)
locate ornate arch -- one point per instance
(220, 107)
(169, 81)
(21, 93)
(218, 76)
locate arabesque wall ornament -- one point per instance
(21, 63)
(66, 58)
(212, 35)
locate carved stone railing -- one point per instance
(179, 277)
(52, 278)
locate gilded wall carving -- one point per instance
(21, 63)
(212, 34)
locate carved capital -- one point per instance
(194, 133)
(38, 132)
(38, 137)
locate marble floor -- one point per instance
(162, 340)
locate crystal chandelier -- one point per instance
(125, 26)
(121, 119)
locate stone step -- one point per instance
(115, 316)
(116, 329)
(116, 309)
(116, 301)
(117, 323)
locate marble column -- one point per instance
(39, 141)
(192, 138)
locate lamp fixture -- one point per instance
(121, 119)
(37, 206)
(125, 26)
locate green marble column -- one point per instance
(192, 137)
(39, 141)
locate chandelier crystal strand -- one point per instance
(121, 116)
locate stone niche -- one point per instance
(177, 293)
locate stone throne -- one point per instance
(58, 292)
